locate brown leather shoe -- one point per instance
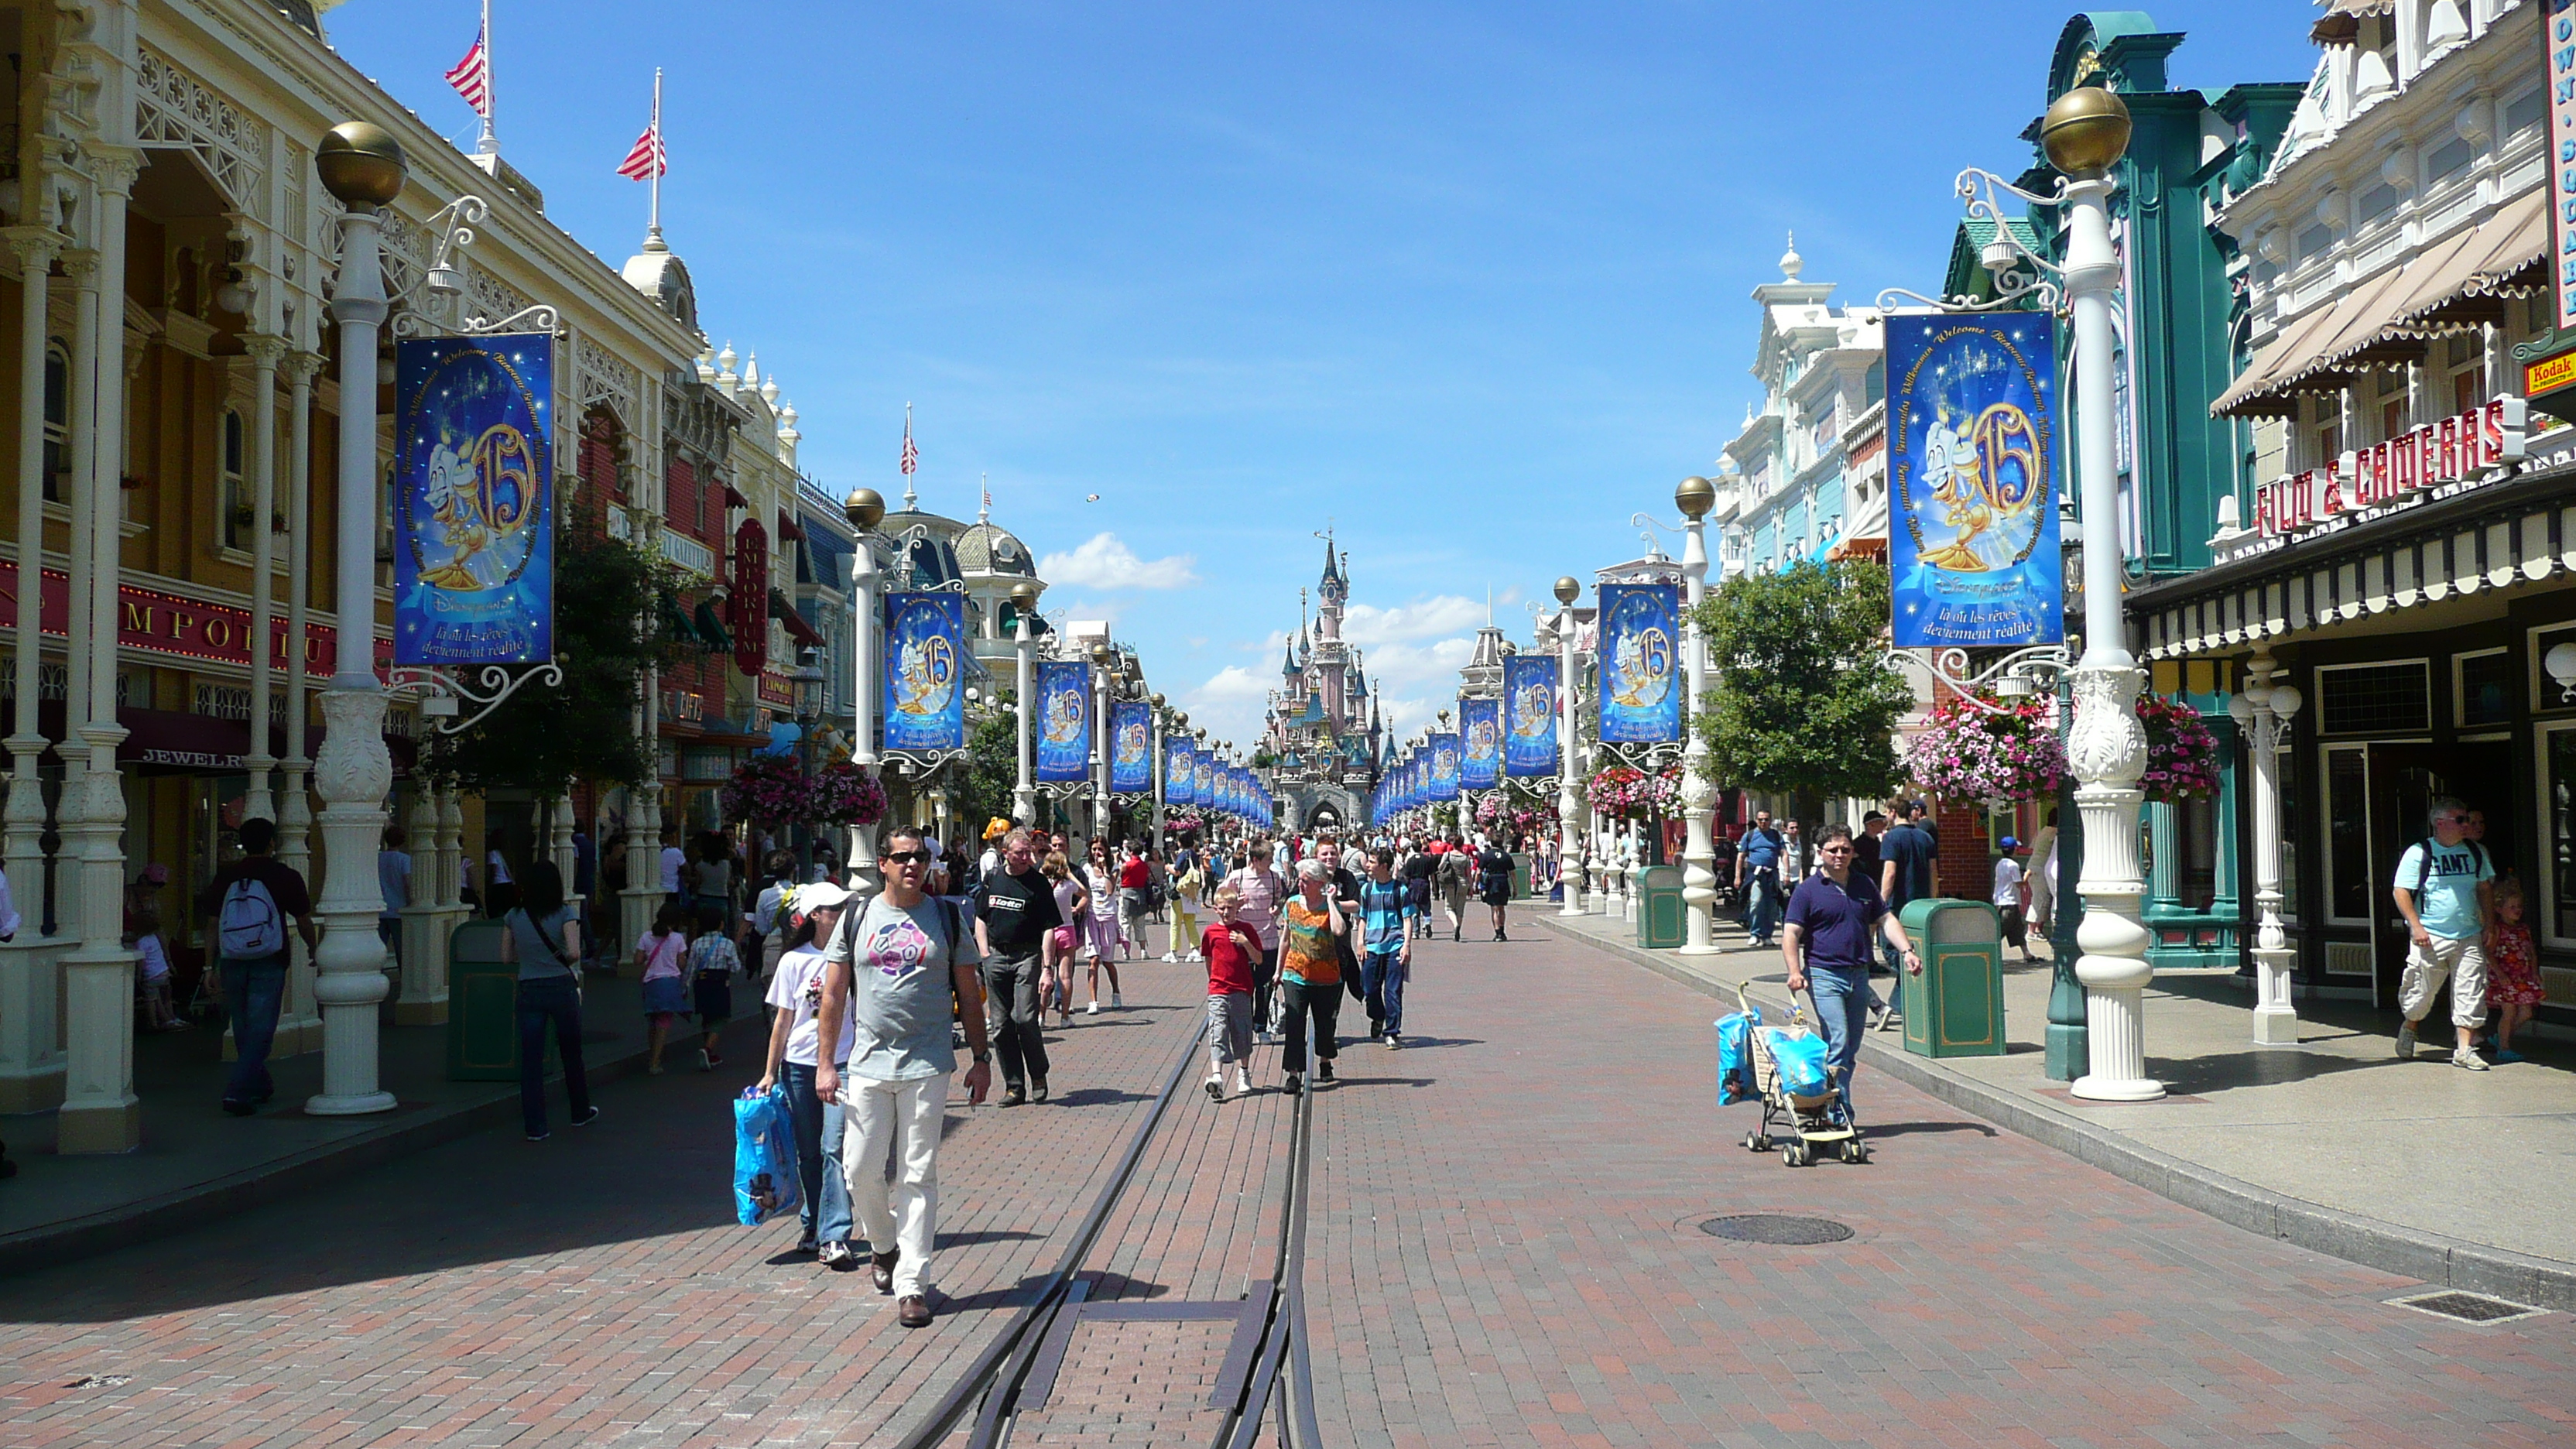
(913, 1312)
(884, 1266)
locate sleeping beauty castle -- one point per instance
(1323, 738)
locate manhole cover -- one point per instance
(2467, 1307)
(1776, 1229)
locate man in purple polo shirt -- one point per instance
(1825, 940)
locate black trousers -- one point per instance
(1012, 982)
(1302, 1003)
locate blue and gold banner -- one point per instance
(1529, 715)
(1972, 440)
(925, 684)
(1444, 767)
(474, 553)
(1480, 743)
(1131, 747)
(1063, 722)
(1641, 683)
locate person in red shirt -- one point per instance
(1231, 948)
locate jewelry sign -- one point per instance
(1973, 553)
(474, 557)
(925, 703)
(1641, 694)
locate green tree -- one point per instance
(1801, 704)
(611, 604)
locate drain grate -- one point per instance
(1776, 1229)
(2463, 1307)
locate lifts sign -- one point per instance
(2453, 450)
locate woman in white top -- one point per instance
(797, 991)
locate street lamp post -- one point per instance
(362, 166)
(865, 509)
(1024, 646)
(1699, 793)
(2085, 132)
(1569, 809)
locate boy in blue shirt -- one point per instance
(1388, 949)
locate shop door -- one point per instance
(2403, 781)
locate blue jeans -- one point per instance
(254, 990)
(1762, 910)
(826, 1213)
(556, 1000)
(1382, 977)
(1842, 1009)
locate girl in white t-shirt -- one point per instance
(796, 990)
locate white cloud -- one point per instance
(1105, 562)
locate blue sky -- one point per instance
(1469, 282)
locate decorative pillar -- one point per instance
(1569, 806)
(425, 920)
(2263, 711)
(865, 509)
(299, 1027)
(31, 1061)
(100, 1112)
(363, 167)
(2084, 133)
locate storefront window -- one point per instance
(2348, 836)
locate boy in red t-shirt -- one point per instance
(1230, 947)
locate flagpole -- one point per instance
(490, 145)
(655, 229)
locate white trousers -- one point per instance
(2464, 961)
(903, 1117)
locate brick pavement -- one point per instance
(1505, 1251)
(592, 1290)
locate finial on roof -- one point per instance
(1790, 262)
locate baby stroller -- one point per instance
(1797, 1122)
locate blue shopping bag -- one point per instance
(1801, 1059)
(1735, 1079)
(764, 1156)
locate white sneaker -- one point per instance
(1095, 1007)
(1215, 1087)
(1117, 1002)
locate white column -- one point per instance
(2263, 710)
(354, 772)
(1699, 793)
(100, 1112)
(31, 1061)
(299, 1027)
(1569, 804)
(2107, 746)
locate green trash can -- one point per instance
(1659, 909)
(1956, 1007)
(482, 1006)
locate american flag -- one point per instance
(911, 454)
(646, 161)
(472, 76)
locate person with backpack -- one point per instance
(2445, 890)
(250, 901)
(544, 940)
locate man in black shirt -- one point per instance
(1015, 921)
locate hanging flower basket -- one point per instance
(844, 794)
(2182, 756)
(767, 790)
(1969, 753)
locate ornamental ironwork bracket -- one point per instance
(444, 692)
(2020, 673)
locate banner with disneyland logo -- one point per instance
(925, 650)
(1641, 689)
(1529, 715)
(474, 554)
(1131, 747)
(1063, 726)
(1973, 552)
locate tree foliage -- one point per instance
(611, 599)
(1800, 703)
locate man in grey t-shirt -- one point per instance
(885, 966)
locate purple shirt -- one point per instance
(1836, 919)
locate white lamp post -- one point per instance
(361, 165)
(2084, 133)
(1695, 497)
(865, 509)
(1569, 807)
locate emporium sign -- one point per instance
(174, 624)
(2454, 450)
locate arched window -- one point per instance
(238, 513)
(58, 420)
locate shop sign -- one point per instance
(158, 622)
(2454, 450)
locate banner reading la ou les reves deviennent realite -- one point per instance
(1973, 537)
(474, 557)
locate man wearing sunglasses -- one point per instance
(891, 967)
(1015, 921)
(1825, 940)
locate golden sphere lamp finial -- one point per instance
(1695, 496)
(2086, 131)
(361, 163)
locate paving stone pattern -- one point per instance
(1505, 1251)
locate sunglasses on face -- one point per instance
(908, 857)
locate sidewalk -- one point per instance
(195, 1160)
(2416, 1168)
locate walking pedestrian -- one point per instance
(1016, 917)
(1310, 972)
(2443, 889)
(1825, 941)
(713, 963)
(892, 968)
(250, 901)
(1757, 875)
(1259, 892)
(1494, 868)
(665, 984)
(1231, 949)
(544, 942)
(796, 989)
(1386, 950)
